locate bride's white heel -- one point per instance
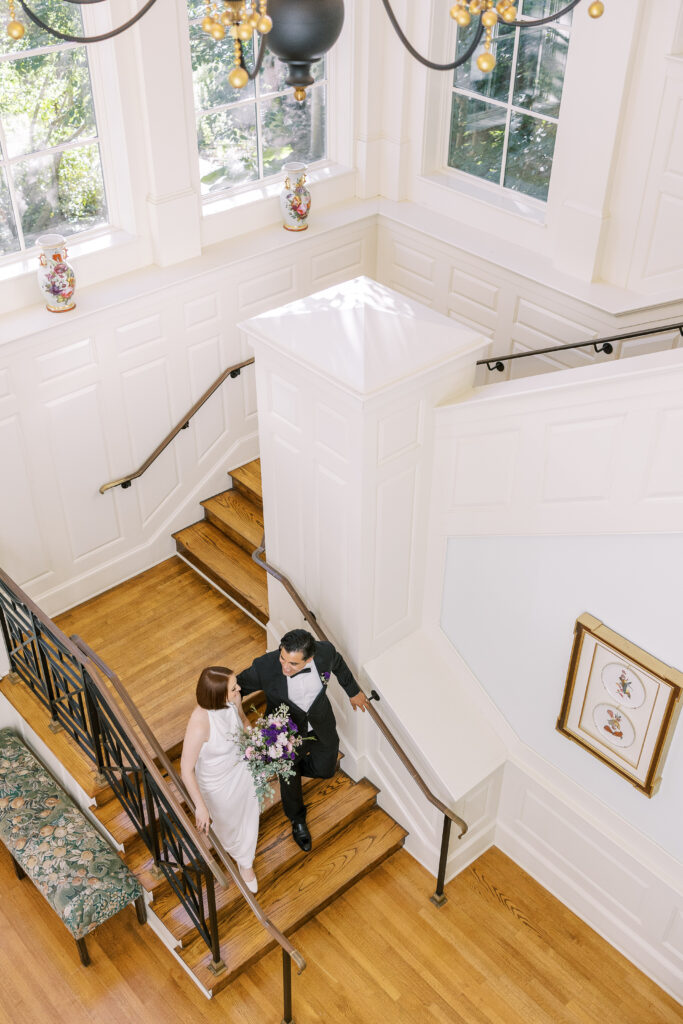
(251, 883)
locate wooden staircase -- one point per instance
(351, 834)
(220, 545)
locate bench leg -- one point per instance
(18, 870)
(83, 952)
(141, 909)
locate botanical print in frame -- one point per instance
(620, 703)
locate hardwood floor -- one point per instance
(157, 631)
(502, 951)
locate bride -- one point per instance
(214, 773)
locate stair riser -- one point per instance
(269, 943)
(231, 533)
(224, 584)
(247, 492)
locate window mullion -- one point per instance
(508, 116)
(10, 186)
(257, 118)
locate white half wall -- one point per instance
(85, 398)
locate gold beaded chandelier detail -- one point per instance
(239, 19)
(491, 13)
(302, 31)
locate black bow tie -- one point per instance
(300, 672)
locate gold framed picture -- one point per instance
(620, 703)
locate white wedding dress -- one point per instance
(226, 786)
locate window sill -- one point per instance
(469, 187)
(259, 206)
(95, 258)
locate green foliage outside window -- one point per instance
(503, 124)
(50, 166)
(247, 134)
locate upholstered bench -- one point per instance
(52, 841)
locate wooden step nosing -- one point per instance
(263, 625)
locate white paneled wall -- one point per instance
(587, 462)
(517, 312)
(87, 397)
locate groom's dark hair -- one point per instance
(298, 640)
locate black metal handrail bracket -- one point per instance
(64, 674)
(449, 816)
(125, 481)
(605, 345)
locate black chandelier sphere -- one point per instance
(303, 31)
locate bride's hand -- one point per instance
(202, 818)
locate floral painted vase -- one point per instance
(56, 278)
(295, 198)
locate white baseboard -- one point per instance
(171, 944)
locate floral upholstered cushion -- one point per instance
(78, 873)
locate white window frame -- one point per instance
(515, 230)
(534, 206)
(120, 234)
(231, 191)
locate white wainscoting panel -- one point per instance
(572, 454)
(86, 398)
(23, 552)
(78, 447)
(619, 895)
(516, 312)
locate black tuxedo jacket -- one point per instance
(265, 673)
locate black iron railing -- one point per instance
(449, 816)
(63, 673)
(605, 345)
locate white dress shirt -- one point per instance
(303, 688)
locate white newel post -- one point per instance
(347, 381)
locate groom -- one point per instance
(297, 675)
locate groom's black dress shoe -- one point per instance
(301, 835)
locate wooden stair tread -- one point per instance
(247, 479)
(298, 894)
(332, 805)
(240, 519)
(226, 564)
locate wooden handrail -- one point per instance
(381, 725)
(160, 753)
(126, 481)
(93, 665)
(605, 345)
(205, 847)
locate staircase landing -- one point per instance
(157, 631)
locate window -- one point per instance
(503, 124)
(50, 164)
(246, 135)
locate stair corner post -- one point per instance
(346, 435)
(286, 988)
(439, 897)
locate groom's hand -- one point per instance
(359, 701)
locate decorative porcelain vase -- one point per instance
(56, 278)
(295, 198)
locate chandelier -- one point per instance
(300, 32)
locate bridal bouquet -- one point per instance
(269, 747)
